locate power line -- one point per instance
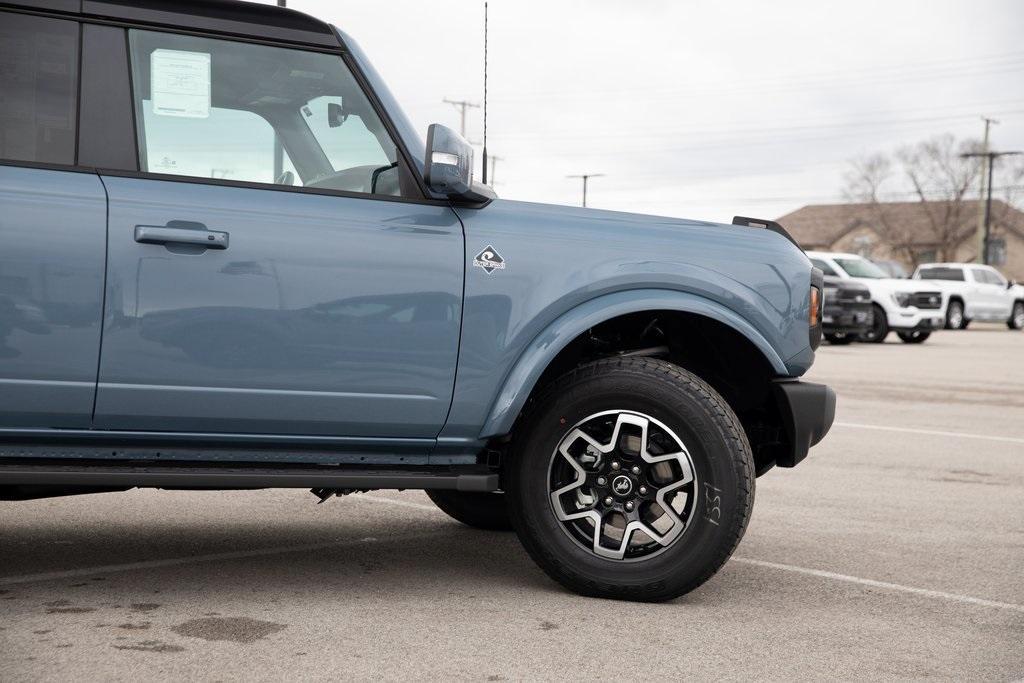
(462, 106)
(825, 80)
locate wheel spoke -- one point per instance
(611, 486)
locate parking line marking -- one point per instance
(400, 503)
(941, 595)
(178, 561)
(931, 432)
(213, 557)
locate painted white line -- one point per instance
(176, 561)
(216, 557)
(400, 503)
(931, 432)
(940, 595)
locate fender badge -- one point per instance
(489, 259)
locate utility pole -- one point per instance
(586, 177)
(462, 106)
(493, 159)
(987, 215)
(278, 149)
(985, 177)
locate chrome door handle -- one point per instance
(156, 234)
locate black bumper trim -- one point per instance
(807, 412)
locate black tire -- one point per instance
(722, 489)
(879, 327)
(479, 510)
(1016, 321)
(840, 339)
(914, 336)
(955, 319)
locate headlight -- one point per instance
(831, 294)
(902, 299)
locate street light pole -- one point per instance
(586, 177)
(991, 156)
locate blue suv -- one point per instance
(228, 260)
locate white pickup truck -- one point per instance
(911, 309)
(975, 292)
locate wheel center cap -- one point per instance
(622, 485)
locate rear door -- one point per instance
(989, 296)
(52, 232)
(271, 269)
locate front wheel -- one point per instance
(632, 479)
(914, 336)
(955, 316)
(879, 327)
(1016, 321)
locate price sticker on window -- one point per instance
(180, 83)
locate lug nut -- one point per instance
(636, 470)
(601, 481)
(643, 490)
(629, 506)
(608, 500)
(615, 465)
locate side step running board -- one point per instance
(243, 478)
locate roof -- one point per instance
(243, 19)
(821, 225)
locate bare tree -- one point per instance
(932, 174)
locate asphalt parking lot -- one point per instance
(895, 551)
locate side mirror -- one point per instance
(1010, 284)
(336, 114)
(449, 166)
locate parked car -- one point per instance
(911, 309)
(848, 312)
(354, 311)
(975, 292)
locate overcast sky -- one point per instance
(697, 108)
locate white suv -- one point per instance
(910, 308)
(975, 292)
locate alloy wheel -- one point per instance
(622, 485)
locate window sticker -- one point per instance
(180, 83)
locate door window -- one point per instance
(220, 109)
(38, 89)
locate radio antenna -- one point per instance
(485, 93)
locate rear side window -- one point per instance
(38, 89)
(953, 274)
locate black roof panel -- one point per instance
(218, 16)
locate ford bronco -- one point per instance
(228, 261)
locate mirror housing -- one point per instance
(448, 166)
(336, 114)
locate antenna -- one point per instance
(484, 93)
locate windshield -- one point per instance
(858, 267)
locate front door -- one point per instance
(237, 302)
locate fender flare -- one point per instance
(532, 362)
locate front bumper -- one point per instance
(916, 319)
(847, 318)
(807, 411)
